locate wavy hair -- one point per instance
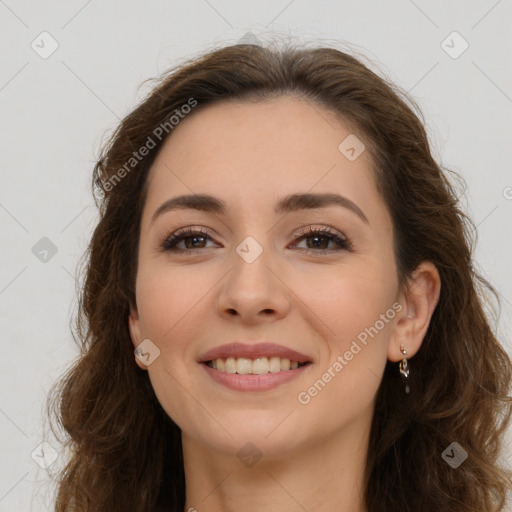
(125, 452)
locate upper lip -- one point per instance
(253, 351)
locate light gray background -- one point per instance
(55, 112)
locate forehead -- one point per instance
(253, 153)
(274, 130)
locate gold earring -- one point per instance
(404, 368)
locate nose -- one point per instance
(253, 291)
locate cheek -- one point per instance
(348, 377)
(167, 298)
(347, 300)
(168, 303)
(356, 309)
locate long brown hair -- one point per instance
(125, 451)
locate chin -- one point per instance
(268, 432)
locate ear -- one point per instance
(136, 333)
(419, 300)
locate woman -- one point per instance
(280, 310)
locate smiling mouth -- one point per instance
(258, 366)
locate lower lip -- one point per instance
(239, 382)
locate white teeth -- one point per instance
(275, 364)
(243, 366)
(258, 366)
(230, 365)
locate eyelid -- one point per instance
(312, 228)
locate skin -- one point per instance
(250, 155)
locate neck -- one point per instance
(327, 476)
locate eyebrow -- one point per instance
(290, 203)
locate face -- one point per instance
(316, 278)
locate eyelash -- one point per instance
(171, 240)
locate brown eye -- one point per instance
(318, 240)
(193, 239)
